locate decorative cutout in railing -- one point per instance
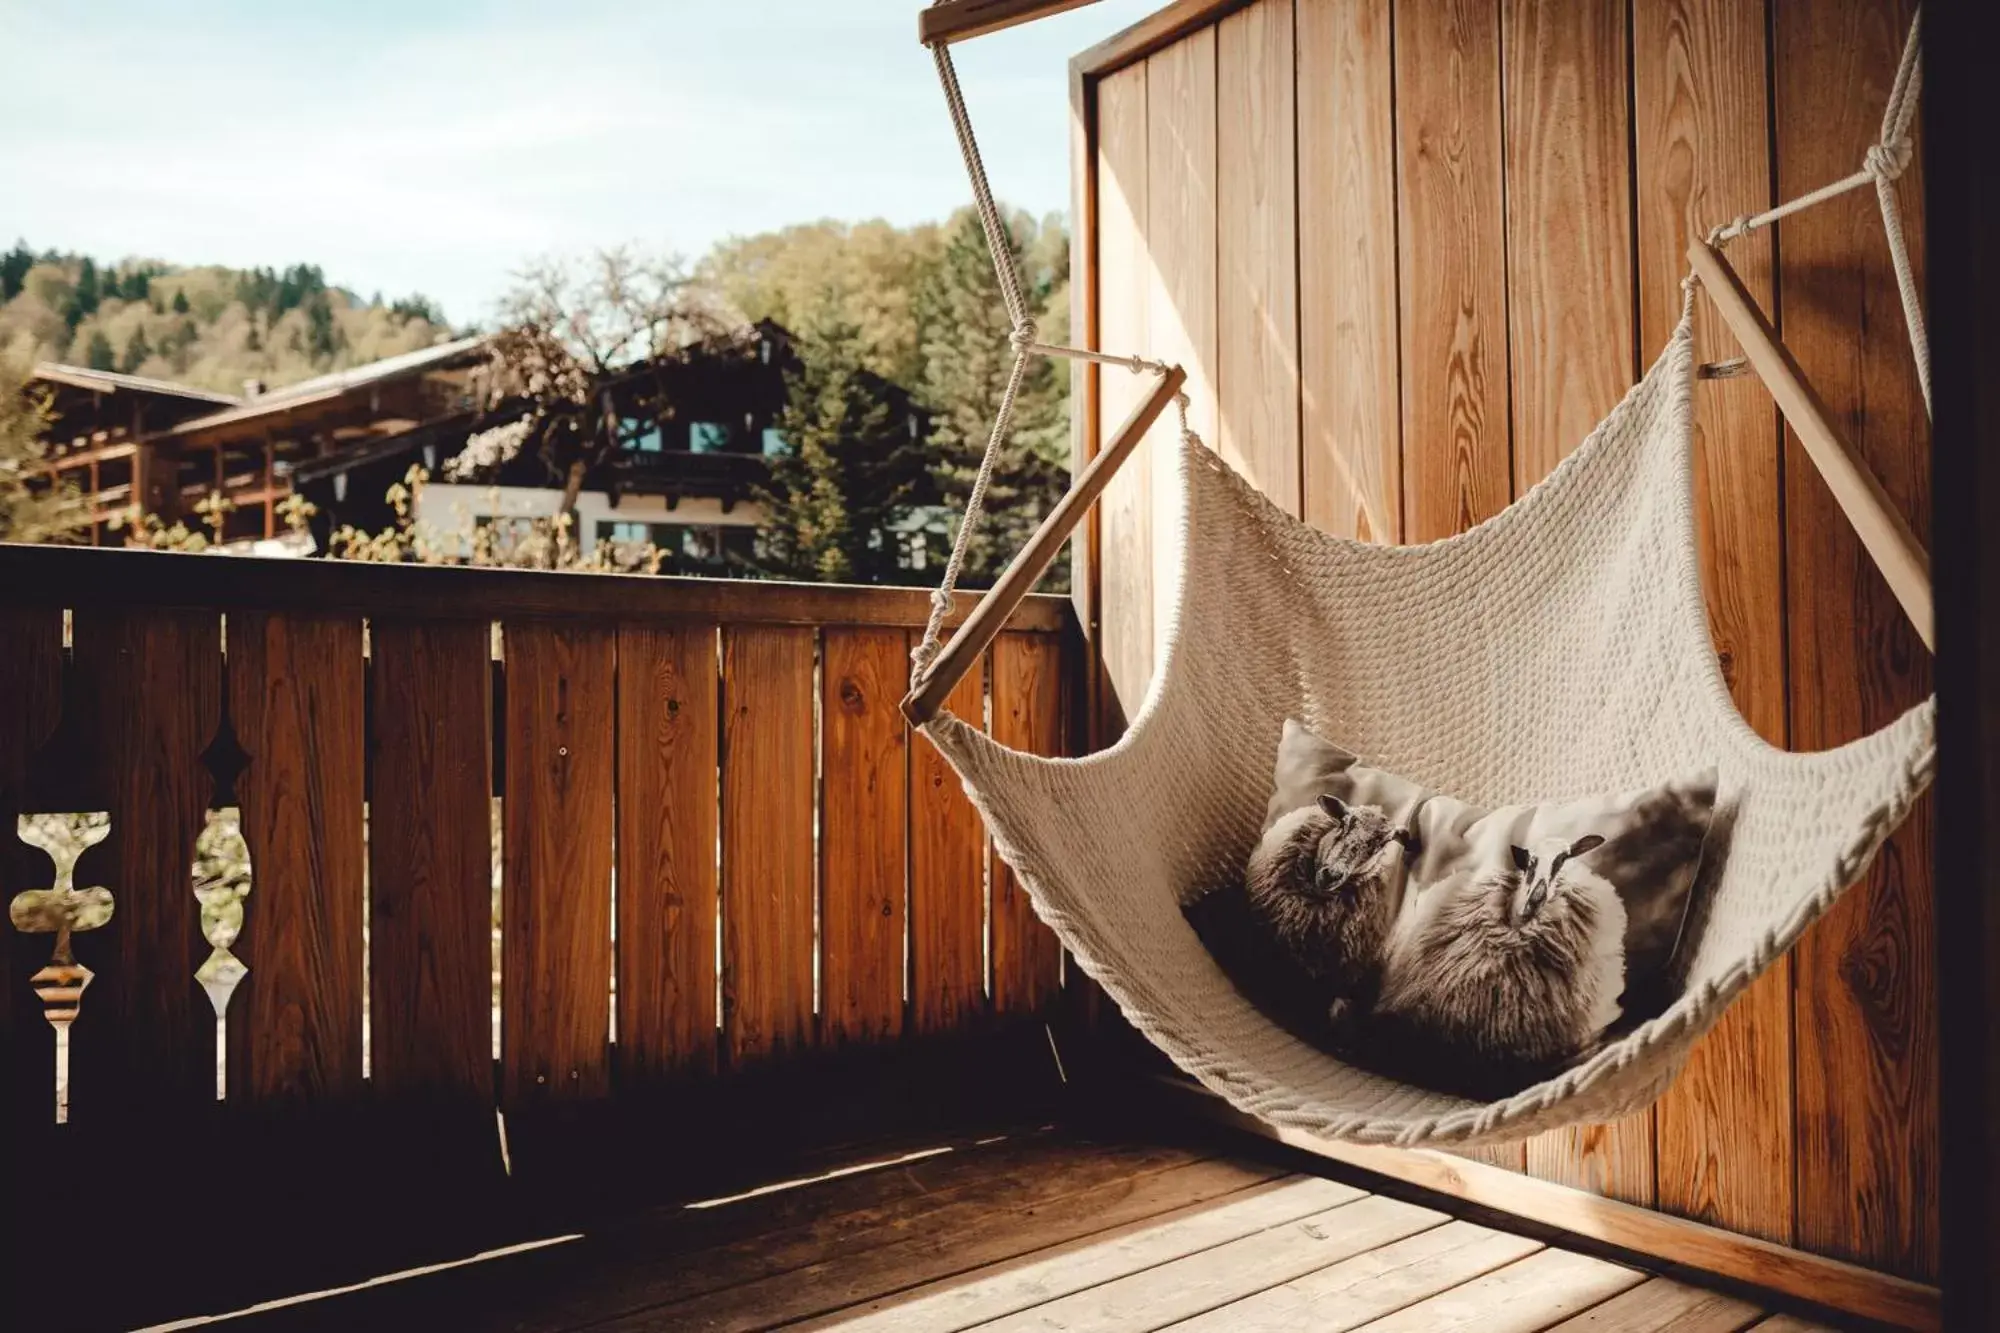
(221, 871)
(221, 883)
(62, 909)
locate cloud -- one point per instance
(435, 150)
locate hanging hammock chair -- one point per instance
(1558, 649)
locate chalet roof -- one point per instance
(323, 388)
(111, 381)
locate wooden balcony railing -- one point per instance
(719, 850)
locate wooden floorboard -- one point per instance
(1045, 1275)
(1187, 1287)
(1369, 1286)
(1524, 1297)
(1041, 1231)
(1661, 1305)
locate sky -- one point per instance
(434, 146)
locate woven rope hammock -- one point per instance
(1558, 649)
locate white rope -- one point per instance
(1886, 159)
(1023, 336)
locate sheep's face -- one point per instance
(1327, 883)
(1541, 874)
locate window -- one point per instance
(640, 436)
(707, 437)
(774, 442)
(623, 532)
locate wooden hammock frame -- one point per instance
(1885, 534)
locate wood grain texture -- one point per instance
(1353, 1292)
(1028, 710)
(1570, 352)
(767, 842)
(947, 881)
(1452, 258)
(1701, 130)
(1863, 1292)
(1180, 299)
(430, 861)
(1257, 289)
(296, 689)
(144, 1045)
(1570, 293)
(81, 577)
(1524, 1297)
(864, 828)
(555, 918)
(668, 757)
(1867, 1026)
(1662, 1305)
(1350, 411)
(1125, 514)
(967, 1300)
(31, 665)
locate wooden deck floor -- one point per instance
(1041, 1230)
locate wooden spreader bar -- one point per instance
(1884, 533)
(956, 20)
(962, 651)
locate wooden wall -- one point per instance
(1410, 251)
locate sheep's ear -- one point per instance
(1524, 860)
(1334, 806)
(1589, 842)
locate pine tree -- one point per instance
(85, 297)
(180, 301)
(137, 350)
(967, 359)
(14, 266)
(100, 356)
(851, 468)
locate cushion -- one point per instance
(1647, 846)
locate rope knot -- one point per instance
(1024, 336)
(1730, 230)
(1886, 161)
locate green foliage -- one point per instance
(137, 349)
(870, 269)
(99, 356)
(213, 328)
(967, 361)
(31, 508)
(14, 266)
(852, 465)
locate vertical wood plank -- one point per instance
(1570, 340)
(1350, 411)
(144, 1043)
(30, 703)
(1451, 254)
(1865, 1005)
(668, 752)
(430, 852)
(767, 841)
(1257, 293)
(1028, 700)
(947, 881)
(1569, 225)
(1125, 513)
(296, 698)
(1086, 593)
(1180, 299)
(555, 919)
(864, 825)
(1702, 136)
